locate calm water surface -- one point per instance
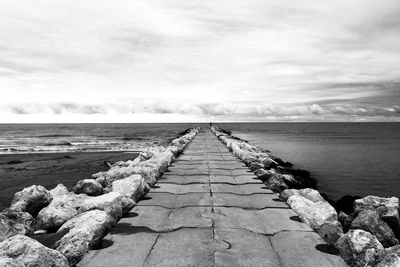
(345, 158)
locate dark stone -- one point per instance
(16, 161)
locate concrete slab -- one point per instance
(182, 179)
(242, 189)
(265, 221)
(174, 201)
(180, 189)
(246, 249)
(299, 249)
(255, 201)
(233, 180)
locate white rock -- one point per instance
(110, 203)
(31, 199)
(60, 194)
(308, 193)
(83, 233)
(133, 186)
(314, 214)
(9, 262)
(353, 247)
(54, 215)
(30, 252)
(14, 223)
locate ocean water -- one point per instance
(38, 138)
(345, 158)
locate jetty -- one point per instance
(209, 209)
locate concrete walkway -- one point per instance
(209, 210)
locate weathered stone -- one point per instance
(9, 262)
(330, 231)
(314, 214)
(60, 194)
(30, 252)
(268, 162)
(127, 204)
(370, 221)
(345, 220)
(133, 186)
(390, 257)
(264, 175)
(31, 199)
(110, 203)
(308, 193)
(14, 223)
(89, 187)
(84, 232)
(353, 246)
(54, 215)
(255, 165)
(276, 183)
(387, 208)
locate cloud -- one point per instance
(249, 60)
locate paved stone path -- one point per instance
(210, 210)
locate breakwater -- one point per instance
(367, 236)
(72, 223)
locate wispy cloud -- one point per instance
(199, 60)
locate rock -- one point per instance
(314, 214)
(127, 204)
(31, 199)
(133, 186)
(276, 183)
(54, 215)
(30, 252)
(353, 247)
(110, 203)
(84, 232)
(60, 194)
(40, 232)
(268, 162)
(346, 204)
(308, 193)
(345, 220)
(9, 262)
(264, 175)
(89, 187)
(387, 208)
(255, 165)
(58, 191)
(390, 257)
(15, 222)
(330, 231)
(370, 221)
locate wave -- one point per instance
(61, 143)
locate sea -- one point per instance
(345, 158)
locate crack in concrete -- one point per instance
(151, 250)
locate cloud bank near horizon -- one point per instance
(103, 61)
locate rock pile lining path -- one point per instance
(208, 209)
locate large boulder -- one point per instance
(387, 208)
(14, 223)
(29, 252)
(9, 262)
(264, 175)
(127, 204)
(390, 257)
(330, 231)
(255, 165)
(54, 215)
(354, 245)
(314, 214)
(276, 183)
(308, 193)
(133, 186)
(31, 199)
(110, 203)
(89, 187)
(84, 232)
(60, 194)
(370, 221)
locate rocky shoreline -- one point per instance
(72, 223)
(363, 231)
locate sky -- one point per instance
(181, 61)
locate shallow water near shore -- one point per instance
(345, 158)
